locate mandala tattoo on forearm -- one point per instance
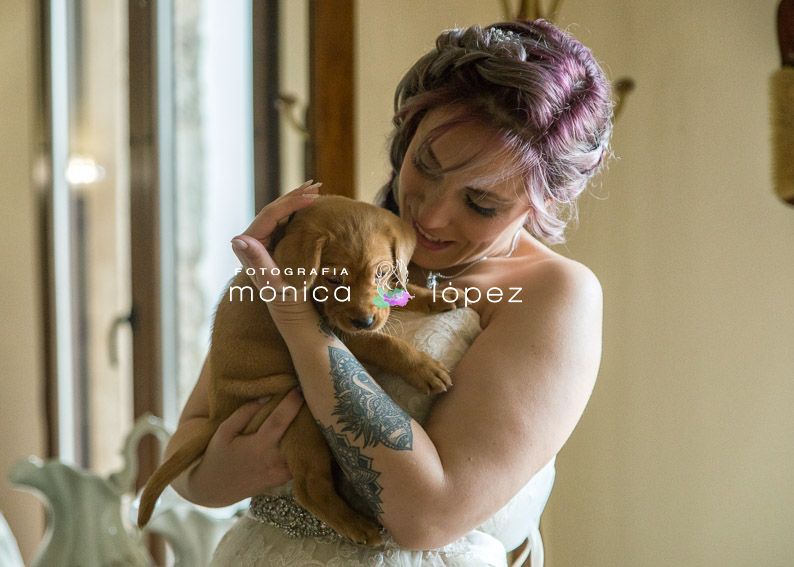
(364, 409)
(356, 467)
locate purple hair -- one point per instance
(541, 92)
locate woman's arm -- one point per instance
(234, 466)
(387, 456)
(518, 393)
(237, 466)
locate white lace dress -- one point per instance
(446, 336)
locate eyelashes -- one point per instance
(422, 168)
(484, 211)
(470, 203)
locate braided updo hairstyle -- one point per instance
(538, 88)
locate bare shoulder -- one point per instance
(559, 308)
(553, 285)
(559, 279)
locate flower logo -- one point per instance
(397, 297)
(388, 296)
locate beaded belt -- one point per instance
(285, 513)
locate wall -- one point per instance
(390, 36)
(685, 454)
(21, 369)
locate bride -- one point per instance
(497, 132)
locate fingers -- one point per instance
(279, 420)
(265, 222)
(253, 254)
(249, 247)
(233, 425)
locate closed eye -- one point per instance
(487, 212)
(422, 168)
(483, 211)
(387, 276)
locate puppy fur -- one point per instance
(248, 359)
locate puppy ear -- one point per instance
(278, 234)
(300, 251)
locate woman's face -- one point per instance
(458, 218)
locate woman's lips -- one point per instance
(433, 245)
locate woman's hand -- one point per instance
(250, 247)
(237, 466)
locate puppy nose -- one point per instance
(363, 322)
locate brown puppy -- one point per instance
(248, 358)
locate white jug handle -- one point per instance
(123, 481)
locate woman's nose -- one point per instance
(436, 210)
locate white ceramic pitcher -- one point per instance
(84, 511)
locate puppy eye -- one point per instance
(383, 272)
(335, 280)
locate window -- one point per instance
(166, 122)
(89, 224)
(205, 181)
(206, 169)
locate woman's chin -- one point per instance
(430, 262)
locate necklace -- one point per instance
(433, 277)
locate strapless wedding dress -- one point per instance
(253, 541)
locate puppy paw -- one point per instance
(448, 301)
(427, 301)
(430, 376)
(363, 532)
